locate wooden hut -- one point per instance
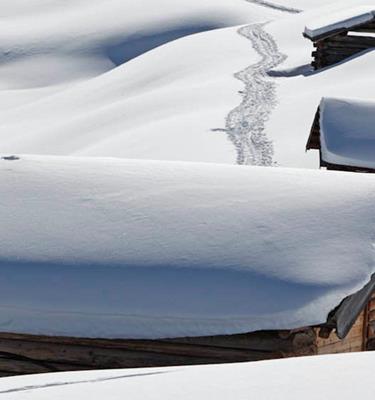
(349, 328)
(343, 133)
(174, 264)
(338, 37)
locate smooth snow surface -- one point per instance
(347, 132)
(343, 19)
(148, 249)
(110, 78)
(157, 79)
(345, 376)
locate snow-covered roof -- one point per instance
(342, 376)
(148, 249)
(340, 20)
(347, 132)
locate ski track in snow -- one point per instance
(69, 383)
(275, 6)
(245, 124)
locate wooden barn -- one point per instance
(341, 36)
(349, 328)
(343, 134)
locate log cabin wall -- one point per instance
(341, 46)
(27, 354)
(369, 334)
(360, 338)
(353, 342)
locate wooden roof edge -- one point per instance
(335, 32)
(326, 35)
(344, 316)
(313, 142)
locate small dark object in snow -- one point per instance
(10, 158)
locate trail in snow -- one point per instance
(245, 124)
(275, 6)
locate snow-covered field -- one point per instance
(96, 240)
(330, 377)
(70, 70)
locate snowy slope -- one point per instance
(62, 71)
(345, 376)
(139, 111)
(155, 249)
(68, 69)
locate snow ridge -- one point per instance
(245, 125)
(274, 6)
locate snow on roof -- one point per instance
(343, 376)
(148, 249)
(339, 20)
(347, 132)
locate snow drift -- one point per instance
(130, 80)
(135, 249)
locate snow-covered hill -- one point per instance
(62, 71)
(344, 376)
(190, 80)
(71, 83)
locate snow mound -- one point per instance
(290, 379)
(54, 42)
(135, 249)
(347, 132)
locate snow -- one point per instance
(65, 71)
(150, 249)
(299, 89)
(347, 135)
(344, 376)
(343, 19)
(154, 248)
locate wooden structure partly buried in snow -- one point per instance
(349, 328)
(343, 133)
(342, 36)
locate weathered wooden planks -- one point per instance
(353, 341)
(21, 354)
(29, 354)
(341, 45)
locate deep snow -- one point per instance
(61, 71)
(155, 249)
(148, 249)
(345, 376)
